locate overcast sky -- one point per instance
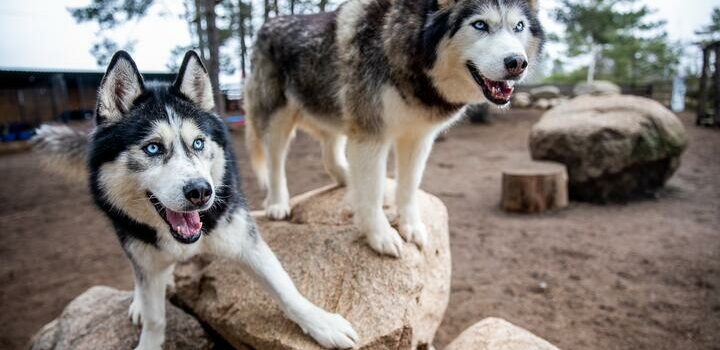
(41, 34)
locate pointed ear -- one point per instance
(120, 86)
(193, 81)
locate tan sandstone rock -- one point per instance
(98, 319)
(614, 147)
(392, 303)
(498, 334)
(597, 87)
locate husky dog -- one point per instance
(375, 74)
(162, 169)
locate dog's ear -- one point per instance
(193, 81)
(120, 86)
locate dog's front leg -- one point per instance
(411, 154)
(148, 305)
(367, 185)
(242, 242)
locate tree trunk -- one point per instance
(533, 187)
(276, 8)
(214, 55)
(199, 31)
(593, 62)
(322, 5)
(242, 16)
(292, 7)
(266, 12)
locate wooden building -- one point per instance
(29, 98)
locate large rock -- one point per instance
(98, 319)
(498, 334)
(597, 88)
(615, 147)
(392, 303)
(545, 91)
(521, 100)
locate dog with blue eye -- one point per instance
(375, 75)
(161, 167)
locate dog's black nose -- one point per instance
(198, 191)
(515, 64)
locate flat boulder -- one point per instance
(98, 319)
(391, 303)
(521, 100)
(498, 334)
(597, 88)
(545, 92)
(614, 147)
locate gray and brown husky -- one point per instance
(377, 74)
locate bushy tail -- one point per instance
(257, 153)
(63, 150)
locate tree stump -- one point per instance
(534, 186)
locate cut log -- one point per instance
(534, 186)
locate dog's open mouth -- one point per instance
(497, 92)
(185, 227)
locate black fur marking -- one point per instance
(435, 29)
(468, 9)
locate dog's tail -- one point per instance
(257, 153)
(62, 149)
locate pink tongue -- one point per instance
(186, 224)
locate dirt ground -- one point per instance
(642, 275)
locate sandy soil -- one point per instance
(643, 275)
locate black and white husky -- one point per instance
(162, 169)
(377, 74)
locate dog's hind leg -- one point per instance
(241, 241)
(275, 140)
(333, 153)
(367, 184)
(411, 154)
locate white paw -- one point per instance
(414, 232)
(386, 241)
(135, 312)
(330, 330)
(279, 211)
(148, 347)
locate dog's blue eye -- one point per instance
(480, 25)
(198, 144)
(153, 149)
(519, 27)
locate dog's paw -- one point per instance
(135, 312)
(279, 211)
(386, 242)
(330, 330)
(414, 232)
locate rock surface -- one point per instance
(98, 319)
(546, 92)
(615, 147)
(521, 100)
(597, 87)
(392, 303)
(498, 334)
